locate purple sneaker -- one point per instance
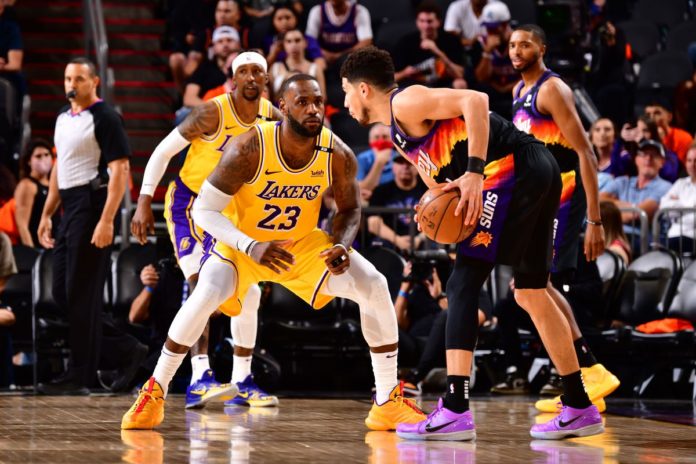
(441, 424)
(570, 422)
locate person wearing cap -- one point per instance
(211, 73)
(673, 138)
(429, 56)
(493, 69)
(403, 192)
(643, 191)
(208, 130)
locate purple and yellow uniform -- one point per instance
(513, 199)
(203, 155)
(281, 203)
(571, 213)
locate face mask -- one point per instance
(381, 144)
(42, 166)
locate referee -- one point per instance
(89, 138)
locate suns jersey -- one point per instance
(527, 118)
(206, 150)
(280, 202)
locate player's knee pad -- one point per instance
(216, 283)
(244, 326)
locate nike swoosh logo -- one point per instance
(565, 424)
(229, 127)
(269, 173)
(199, 392)
(428, 428)
(390, 355)
(243, 395)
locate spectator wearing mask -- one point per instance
(642, 191)
(430, 56)
(340, 26)
(492, 66)
(682, 194)
(30, 195)
(285, 19)
(375, 164)
(673, 138)
(403, 192)
(463, 19)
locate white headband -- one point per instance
(249, 58)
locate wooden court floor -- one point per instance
(86, 430)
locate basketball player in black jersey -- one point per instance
(543, 106)
(512, 185)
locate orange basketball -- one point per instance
(436, 216)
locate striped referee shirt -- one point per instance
(86, 142)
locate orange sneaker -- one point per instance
(395, 410)
(148, 410)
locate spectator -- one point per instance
(261, 8)
(11, 55)
(683, 195)
(187, 24)
(673, 138)
(155, 306)
(430, 56)
(614, 236)
(7, 319)
(340, 26)
(90, 138)
(30, 195)
(643, 191)
(375, 164)
(603, 138)
(285, 19)
(493, 69)
(211, 73)
(228, 85)
(463, 20)
(403, 192)
(607, 78)
(294, 47)
(623, 157)
(8, 267)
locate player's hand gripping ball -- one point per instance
(436, 216)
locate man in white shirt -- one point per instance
(463, 19)
(683, 195)
(340, 26)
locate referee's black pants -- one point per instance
(79, 274)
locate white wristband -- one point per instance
(342, 246)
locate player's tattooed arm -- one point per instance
(346, 194)
(204, 119)
(238, 163)
(276, 114)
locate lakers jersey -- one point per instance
(280, 202)
(527, 118)
(206, 150)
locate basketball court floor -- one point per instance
(87, 430)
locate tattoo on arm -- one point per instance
(204, 119)
(238, 163)
(346, 194)
(276, 115)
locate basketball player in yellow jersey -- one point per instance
(209, 129)
(274, 176)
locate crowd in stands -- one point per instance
(644, 142)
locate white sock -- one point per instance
(384, 368)
(167, 365)
(241, 368)
(199, 364)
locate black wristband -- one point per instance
(475, 165)
(594, 223)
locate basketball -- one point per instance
(436, 216)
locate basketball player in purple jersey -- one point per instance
(451, 137)
(543, 106)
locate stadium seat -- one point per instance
(389, 263)
(125, 275)
(681, 35)
(684, 301)
(649, 286)
(611, 271)
(17, 293)
(660, 74)
(664, 13)
(522, 11)
(643, 36)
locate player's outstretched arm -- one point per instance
(202, 120)
(556, 99)
(346, 192)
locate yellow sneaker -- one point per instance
(148, 410)
(395, 410)
(599, 382)
(554, 405)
